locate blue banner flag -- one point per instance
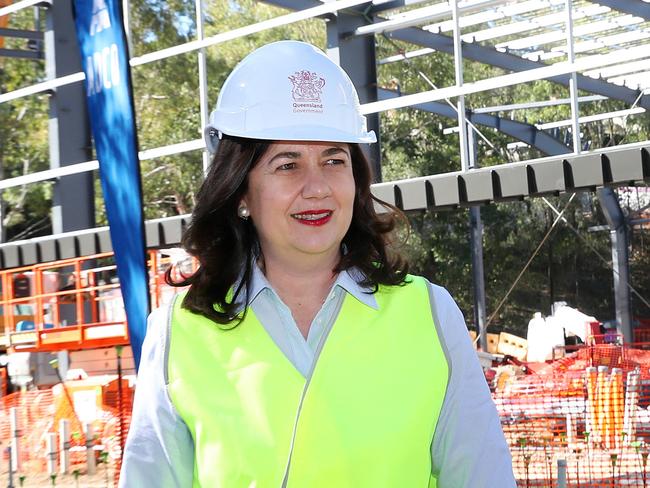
(105, 62)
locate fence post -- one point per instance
(11, 468)
(64, 445)
(15, 436)
(90, 452)
(51, 453)
(561, 473)
(570, 430)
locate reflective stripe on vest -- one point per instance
(365, 418)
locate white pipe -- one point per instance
(42, 87)
(247, 30)
(51, 453)
(406, 55)
(172, 149)
(49, 174)
(573, 82)
(73, 169)
(64, 445)
(90, 451)
(563, 68)
(592, 118)
(126, 20)
(458, 71)
(529, 105)
(15, 7)
(15, 438)
(203, 79)
(423, 15)
(621, 69)
(631, 403)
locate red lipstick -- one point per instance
(316, 217)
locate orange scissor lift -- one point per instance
(72, 304)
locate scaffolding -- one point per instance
(71, 304)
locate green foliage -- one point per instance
(23, 143)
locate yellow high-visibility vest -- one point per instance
(365, 417)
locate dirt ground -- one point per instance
(97, 480)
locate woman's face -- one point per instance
(300, 196)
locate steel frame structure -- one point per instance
(352, 28)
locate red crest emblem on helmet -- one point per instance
(307, 86)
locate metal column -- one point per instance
(573, 81)
(465, 148)
(203, 79)
(356, 55)
(73, 201)
(620, 260)
(476, 245)
(69, 133)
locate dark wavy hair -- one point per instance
(226, 245)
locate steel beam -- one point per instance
(622, 165)
(476, 52)
(518, 130)
(476, 249)
(620, 261)
(69, 133)
(21, 34)
(357, 57)
(383, 6)
(634, 7)
(21, 53)
(510, 62)
(159, 233)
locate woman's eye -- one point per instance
(335, 161)
(286, 166)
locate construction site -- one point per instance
(572, 393)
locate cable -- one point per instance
(530, 260)
(584, 241)
(469, 122)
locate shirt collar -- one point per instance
(348, 280)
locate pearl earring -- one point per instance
(243, 212)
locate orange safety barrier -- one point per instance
(591, 408)
(39, 413)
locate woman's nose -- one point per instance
(316, 183)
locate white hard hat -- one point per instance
(288, 90)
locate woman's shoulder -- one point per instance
(436, 292)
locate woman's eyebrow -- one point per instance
(285, 154)
(334, 150)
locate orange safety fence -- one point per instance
(71, 304)
(38, 414)
(590, 409)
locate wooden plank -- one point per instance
(54, 336)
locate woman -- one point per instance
(302, 354)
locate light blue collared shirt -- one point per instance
(281, 326)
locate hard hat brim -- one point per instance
(307, 134)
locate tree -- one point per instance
(23, 144)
